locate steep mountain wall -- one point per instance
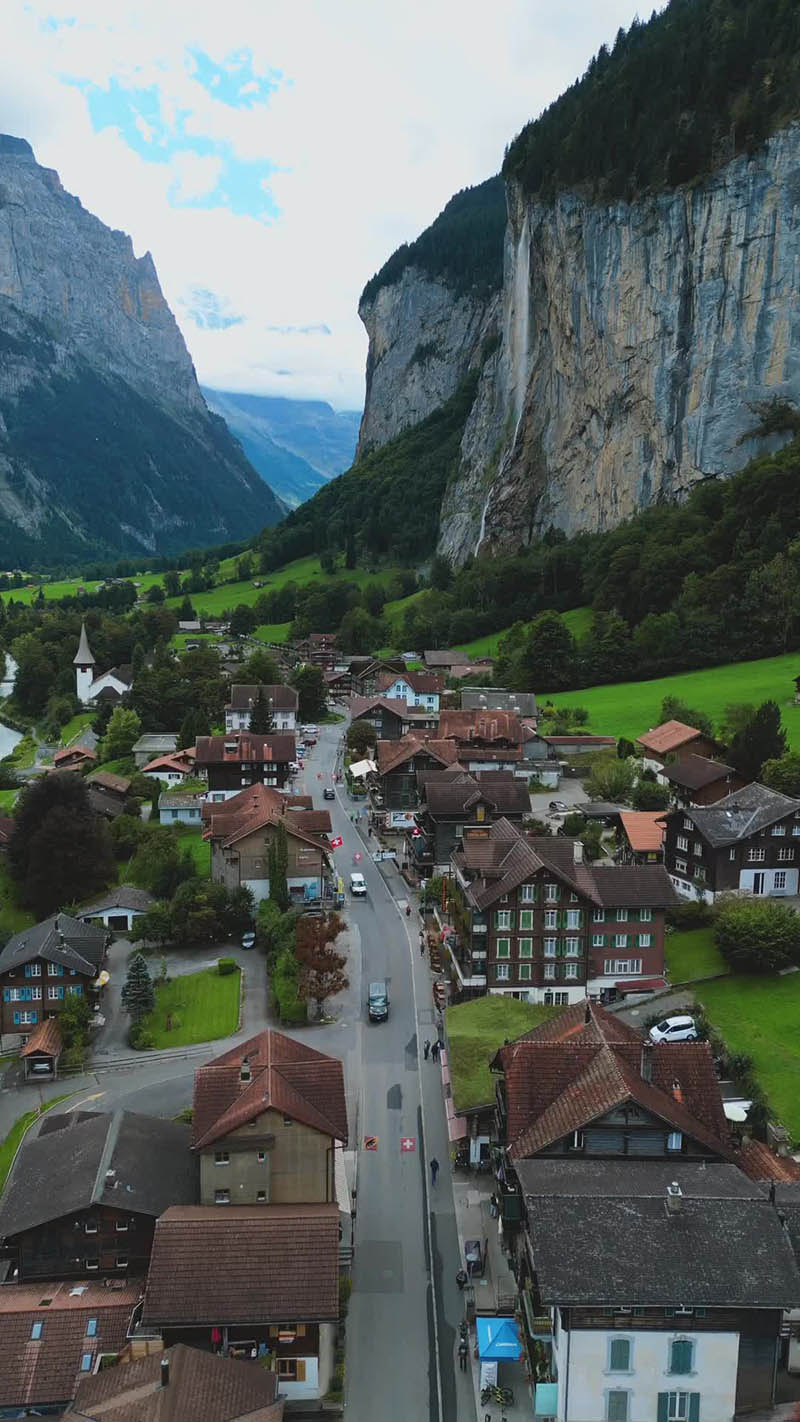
(105, 439)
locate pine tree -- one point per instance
(261, 721)
(277, 864)
(762, 738)
(138, 993)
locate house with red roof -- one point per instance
(241, 758)
(241, 829)
(420, 690)
(671, 741)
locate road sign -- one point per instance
(408, 1143)
(370, 1142)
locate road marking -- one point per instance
(86, 1100)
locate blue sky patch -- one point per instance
(234, 81)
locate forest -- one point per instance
(672, 100)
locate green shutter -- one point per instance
(619, 1356)
(694, 1407)
(663, 1407)
(681, 1359)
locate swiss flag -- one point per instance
(337, 842)
(415, 833)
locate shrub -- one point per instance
(345, 1290)
(696, 913)
(141, 1038)
(757, 937)
(226, 966)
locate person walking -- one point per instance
(426, 1050)
(461, 1279)
(422, 944)
(434, 1170)
(463, 1354)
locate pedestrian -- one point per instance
(461, 1278)
(463, 1354)
(422, 944)
(434, 1170)
(435, 1050)
(426, 1050)
(494, 1208)
(408, 910)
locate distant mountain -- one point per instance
(297, 446)
(106, 444)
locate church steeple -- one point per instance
(83, 662)
(83, 657)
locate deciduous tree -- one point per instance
(322, 972)
(122, 731)
(757, 936)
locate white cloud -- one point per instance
(382, 113)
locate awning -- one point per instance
(641, 985)
(360, 768)
(457, 1126)
(498, 1340)
(546, 1400)
(102, 979)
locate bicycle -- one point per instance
(494, 1393)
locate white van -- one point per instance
(358, 886)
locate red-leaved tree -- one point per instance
(321, 967)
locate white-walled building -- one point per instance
(281, 700)
(89, 686)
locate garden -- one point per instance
(179, 1011)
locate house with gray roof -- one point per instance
(152, 744)
(41, 966)
(118, 909)
(746, 843)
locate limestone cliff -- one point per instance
(106, 442)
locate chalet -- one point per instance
(391, 717)
(419, 690)
(366, 673)
(74, 758)
(173, 768)
(281, 701)
(696, 780)
(108, 793)
(180, 807)
(442, 660)
(535, 921)
(242, 758)
(90, 687)
(496, 698)
(747, 843)
(640, 837)
(152, 745)
(399, 765)
(484, 740)
(41, 966)
(83, 1196)
(231, 1391)
(672, 741)
(240, 832)
(453, 800)
(319, 649)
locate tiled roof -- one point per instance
(229, 1264)
(279, 748)
(741, 814)
(58, 939)
(104, 780)
(644, 829)
(443, 658)
(181, 800)
(422, 683)
(361, 705)
(203, 1387)
(244, 697)
(177, 760)
(503, 792)
(285, 1075)
(124, 896)
(47, 1370)
(73, 752)
(668, 737)
(579, 740)
(483, 726)
(257, 806)
(760, 1163)
(394, 753)
(490, 698)
(45, 1038)
(156, 742)
(694, 772)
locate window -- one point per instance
(54, 993)
(680, 866)
(502, 918)
(625, 967)
(262, 1155)
(756, 856)
(121, 1261)
(700, 872)
(571, 970)
(678, 1407)
(36, 1330)
(732, 854)
(503, 947)
(86, 1363)
(698, 849)
(55, 970)
(620, 940)
(598, 940)
(646, 915)
(90, 1227)
(527, 893)
(616, 1406)
(574, 918)
(687, 824)
(778, 830)
(681, 1355)
(675, 1142)
(549, 970)
(779, 881)
(287, 1121)
(682, 843)
(551, 892)
(36, 970)
(622, 915)
(598, 915)
(261, 1197)
(222, 1197)
(526, 918)
(550, 947)
(550, 918)
(619, 1355)
(502, 972)
(222, 1157)
(643, 940)
(524, 972)
(121, 1227)
(784, 855)
(91, 1328)
(91, 1264)
(525, 947)
(561, 999)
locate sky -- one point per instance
(271, 156)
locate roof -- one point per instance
(422, 683)
(227, 1264)
(285, 1075)
(104, 780)
(574, 1068)
(181, 800)
(694, 772)
(138, 1163)
(480, 726)
(280, 748)
(669, 736)
(58, 939)
(644, 829)
(70, 752)
(123, 672)
(391, 754)
(201, 1385)
(491, 698)
(443, 658)
(83, 657)
(579, 740)
(361, 705)
(156, 742)
(620, 1178)
(48, 1370)
(715, 1252)
(503, 792)
(760, 1163)
(258, 806)
(180, 761)
(244, 696)
(105, 802)
(125, 896)
(741, 814)
(46, 1038)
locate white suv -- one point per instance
(674, 1029)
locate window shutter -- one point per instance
(619, 1354)
(27, 970)
(61, 992)
(681, 1361)
(694, 1407)
(16, 1019)
(300, 1364)
(6, 994)
(663, 1407)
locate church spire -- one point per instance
(83, 657)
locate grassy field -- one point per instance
(578, 620)
(8, 799)
(475, 1031)
(75, 726)
(206, 639)
(13, 1140)
(201, 1007)
(760, 1016)
(301, 571)
(692, 954)
(192, 839)
(629, 708)
(12, 918)
(273, 632)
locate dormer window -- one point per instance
(244, 1073)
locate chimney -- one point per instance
(577, 851)
(674, 1198)
(244, 1073)
(587, 1016)
(676, 1090)
(646, 1064)
(165, 1371)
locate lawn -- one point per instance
(273, 632)
(12, 918)
(74, 727)
(8, 799)
(206, 639)
(13, 1140)
(475, 1031)
(629, 708)
(692, 955)
(201, 1007)
(482, 646)
(759, 1015)
(301, 571)
(192, 839)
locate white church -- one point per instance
(91, 688)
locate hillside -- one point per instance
(106, 444)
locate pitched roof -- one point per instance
(741, 814)
(391, 754)
(180, 799)
(644, 829)
(127, 896)
(141, 1163)
(58, 939)
(694, 772)
(47, 1370)
(482, 726)
(227, 1264)
(285, 1075)
(612, 1177)
(501, 791)
(105, 780)
(201, 1385)
(245, 695)
(258, 806)
(491, 698)
(44, 1038)
(361, 705)
(443, 658)
(578, 740)
(246, 745)
(422, 683)
(176, 760)
(71, 752)
(83, 656)
(156, 741)
(669, 736)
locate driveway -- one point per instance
(572, 792)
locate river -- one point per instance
(8, 736)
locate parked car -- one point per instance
(558, 807)
(329, 793)
(674, 1029)
(358, 886)
(249, 940)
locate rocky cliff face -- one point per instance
(105, 439)
(635, 337)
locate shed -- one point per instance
(42, 1051)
